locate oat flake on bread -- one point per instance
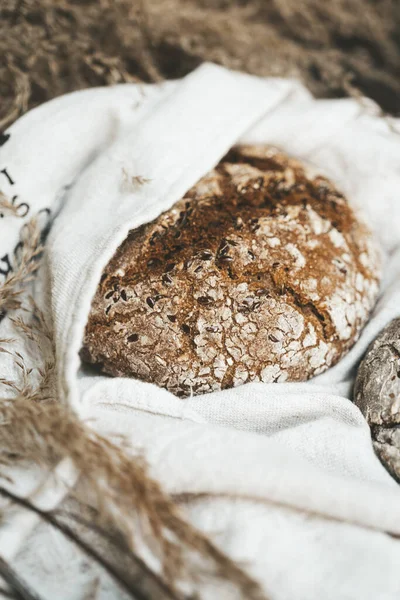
(262, 272)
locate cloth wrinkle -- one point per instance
(282, 476)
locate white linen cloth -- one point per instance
(292, 486)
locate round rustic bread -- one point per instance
(261, 272)
(377, 394)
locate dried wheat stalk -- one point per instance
(21, 94)
(138, 581)
(319, 41)
(6, 207)
(45, 432)
(35, 427)
(25, 269)
(20, 588)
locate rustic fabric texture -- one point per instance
(283, 466)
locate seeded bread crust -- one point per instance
(377, 395)
(262, 272)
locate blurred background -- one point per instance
(337, 47)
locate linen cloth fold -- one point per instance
(282, 476)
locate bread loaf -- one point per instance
(262, 272)
(377, 394)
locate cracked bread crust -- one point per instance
(377, 395)
(262, 272)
